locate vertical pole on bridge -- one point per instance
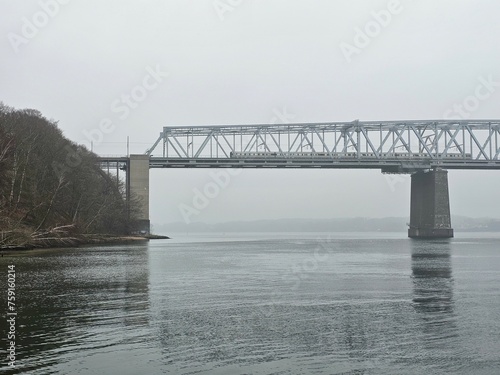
(430, 205)
(138, 192)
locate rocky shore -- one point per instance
(45, 242)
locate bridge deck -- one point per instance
(386, 165)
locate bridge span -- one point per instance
(424, 149)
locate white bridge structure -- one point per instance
(424, 149)
(393, 146)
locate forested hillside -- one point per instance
(51, 187)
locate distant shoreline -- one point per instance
(352, 224)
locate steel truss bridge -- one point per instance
(426, 149)
(392, 146)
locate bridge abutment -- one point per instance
(430, 205)
(138, 189)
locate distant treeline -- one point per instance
(389, 224)
(50, 186)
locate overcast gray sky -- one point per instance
(209, 62)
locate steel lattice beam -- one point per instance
(393, 146)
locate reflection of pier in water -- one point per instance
(433, 289)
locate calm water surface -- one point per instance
(260, 304)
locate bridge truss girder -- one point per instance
(393, 146)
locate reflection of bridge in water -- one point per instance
(424, 149)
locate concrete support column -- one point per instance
(430, 205)
(138, 189)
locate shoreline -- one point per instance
(81, 240)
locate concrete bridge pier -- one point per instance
(430, 205)
(138, 191)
